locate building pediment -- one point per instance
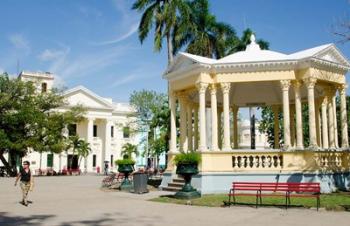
(85, 97)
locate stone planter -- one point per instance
(126, 169)
(187, 171)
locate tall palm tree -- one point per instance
(163, 15)
(83, 150)
(204, 35)
(129, 149)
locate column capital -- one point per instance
(310, 82)
(330, 91)
(342, 88)
(201, 86)
(225, 87)
(212, 89)
(182, 96)
(89, 118)
(296, 84)
(285, 84)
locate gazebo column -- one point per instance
(310, 84)
(292, 126)
(225, 87)
(183, 124)
(214, 118)
(318, 121)
(335, 120)
(172, 145)
(298, 115)
(276, 128)
(330, 119)
(235, 127)
(195, 138)
(324, 123)
(220, 127)
(202, 133)
(343, 117)
(286, 123)
(189, 127)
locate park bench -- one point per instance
(267, 189)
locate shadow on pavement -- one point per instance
(7, 219)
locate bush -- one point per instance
(187, 158)
(125, 162)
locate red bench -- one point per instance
(286, 190)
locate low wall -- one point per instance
(219, 169)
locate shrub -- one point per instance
(125, 162)
(187, 158)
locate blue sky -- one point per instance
(94, 42)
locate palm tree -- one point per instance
(83, 150)
(163, 15)
(203, 35)
(129, 149)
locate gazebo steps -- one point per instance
(175, 185)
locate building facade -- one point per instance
(106, 127)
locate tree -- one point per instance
(28, 120)
(163, 15)
(128, 150)
(203, 35)
(83, 150)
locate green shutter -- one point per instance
(49, 160)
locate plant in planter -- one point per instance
(125, 166)
(187, 166)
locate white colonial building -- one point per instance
(105, 127)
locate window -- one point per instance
(93, 160)
(112, 131)
(49, 160)
(95, 130)
(111, 160)
(72, 129)
(44, 87)
(126, 132)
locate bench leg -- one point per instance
(318, 202)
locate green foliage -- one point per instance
(129, 149)
(126, 161)
(28, 119)
(187, 158)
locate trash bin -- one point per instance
(140, 183)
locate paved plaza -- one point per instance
(78, 200)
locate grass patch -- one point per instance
(335, 201)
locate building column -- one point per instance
(196, 128)
(107, 143)
(324, 123)
(225, 87)
(183, 122)
(276, 127)
(286, 123)
(330, 119)
(298, 115)
(90, 131)
(335, 120)
(189, 127)
(343, 117)
(172, 145)
(235, 127)
(310, 84)
(202, 133)
(214, 118)
(220, 128)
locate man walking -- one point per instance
(26, 181)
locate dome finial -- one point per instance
(253, 46)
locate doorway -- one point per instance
(72, 161)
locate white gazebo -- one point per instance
(256, 77)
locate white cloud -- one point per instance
(53, 54)
(124, 36)
(19, 42)
(124, 80)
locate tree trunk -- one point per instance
(252, 127)
(170, 48)
(6, 164)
